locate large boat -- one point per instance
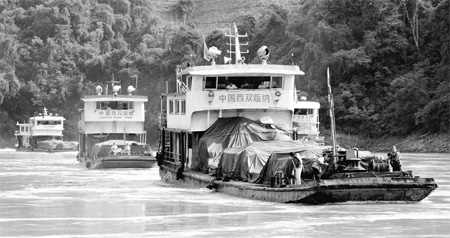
(111, 130)
(43, 133)
(234, 127)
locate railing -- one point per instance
(307, 127)
(162, 120)
(172, 159)
(22, 133)
(319, 140)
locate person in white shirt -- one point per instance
(263, 85)
(114, 149)
(298, 167)
(231, 85)
(127, 149)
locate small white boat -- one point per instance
(43, 133)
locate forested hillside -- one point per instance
(389, 59)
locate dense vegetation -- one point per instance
(389, 59)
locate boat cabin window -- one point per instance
(177, 106)
(115, 105)
(171, 106)
(210, 82)
(49, 122)
(303, 111)
(277, 82)
(42, 123)
(22, 129)
(243, 82)
(183, 107)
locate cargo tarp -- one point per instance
(103, 149)
(281, 161)
(234, 132)
(57, 145)
(246, 163)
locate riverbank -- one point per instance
(435, 143)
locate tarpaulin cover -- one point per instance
(234, 132)
(246, 163)
(281, 161)
(103, 149)
(57, 145)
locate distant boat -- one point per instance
(111, 131)
(238, 140)
(43, 132)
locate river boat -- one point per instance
(232, 128)
(43, 133)
(111, 130)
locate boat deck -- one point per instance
(122, 161)
(375, 187)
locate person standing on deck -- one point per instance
(298, 167)
(317, 167)
(394, 159)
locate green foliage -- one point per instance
(183, 9)
(389, 71)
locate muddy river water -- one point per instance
(51, 195)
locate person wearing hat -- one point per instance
(394, 159)
(317, 167)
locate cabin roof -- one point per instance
(247, 69)
(306, 104)
(109, 98)
(47, 118)
(24, 124)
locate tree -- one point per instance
(182, 9)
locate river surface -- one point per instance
(51, 195)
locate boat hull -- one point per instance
(115, 162)
(29, 149)
(376, 189)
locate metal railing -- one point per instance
(162, 120)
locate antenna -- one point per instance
(136, 77)
(112, 84)
(237, 48)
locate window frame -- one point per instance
(183, 106)
(177, 107)
(171, 106)
(205, 81)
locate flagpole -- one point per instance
(333, 124)
(205, 51)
